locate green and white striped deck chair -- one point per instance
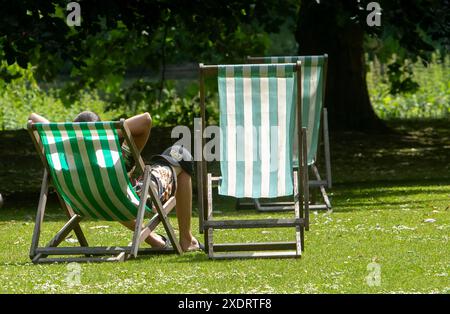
(83, 161)
(257, 116)
(313, 78)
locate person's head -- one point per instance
(87, 116)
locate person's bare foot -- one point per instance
(189, 246)
(155, 240)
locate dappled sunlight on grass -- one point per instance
(338, 248)
(418, 150)
(391, 205)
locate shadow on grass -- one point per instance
(369, 170)
(380, 191)
(189, 257)
(351, 207)
(345, 197)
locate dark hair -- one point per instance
(87, 116)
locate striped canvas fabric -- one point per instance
(88, 170)
(312, 97)
(257, 110)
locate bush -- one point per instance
(21, 96)
(178, 104)
(430, 100)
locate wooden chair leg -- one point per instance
(198, 155)
(164, 218)
(306, 179)
(140, 233)
(209, 232)
(326, 143)
(140, 214)
(40, 214)
(325, 197)
(298, 234)
(302, 238)
(60, 236)
(322, 188)
(77, 228)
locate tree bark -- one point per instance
(319, 31)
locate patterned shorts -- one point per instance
(162, 174)
(164, 177)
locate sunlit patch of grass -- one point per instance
(391, 207)
(386, 226)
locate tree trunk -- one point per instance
(347, 98)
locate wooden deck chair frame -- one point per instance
(317, 182)
(100, 253)
(205, 182)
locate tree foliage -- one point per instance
(342, 28)
(118, 39)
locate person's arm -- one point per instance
(37, 118)
(139, 126)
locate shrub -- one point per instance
(430, 100)
(21, 96)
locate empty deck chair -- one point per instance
(315, 119)
(257, 115)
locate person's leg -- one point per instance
(183, 207)
(183, 197)
(153, 239)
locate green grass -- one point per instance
(386, 187)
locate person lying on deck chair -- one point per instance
(170, 175)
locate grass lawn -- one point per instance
(387, 188)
